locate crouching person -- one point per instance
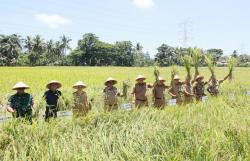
(110, 95)
(80, 107)
(51, 97)
(20, 104)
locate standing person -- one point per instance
(110, 95)
(176, 89)
(139, 92)
(214, 85)
(199, 87)
(80, 98)
(51, 97)
(159, 93)
(20, 104)
(188, 91)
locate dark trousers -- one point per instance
(50, 112)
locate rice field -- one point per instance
(218, 129)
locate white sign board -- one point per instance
(248, 93)
(64, 114)
(5, 118)
(172, 102)
(204, 98)
(126, 106)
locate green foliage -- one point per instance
(166, 55)
(216, 54)
(210, 62)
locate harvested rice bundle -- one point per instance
(126, 85)
(187, 62)
(211, 64)
(196, 57)
(231, 63)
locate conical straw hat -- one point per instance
(20, 85)
(54, 82)
(161, 79)
(140, 77)
(110, 79)
(199, 77)
(176, 77)
(79, 83)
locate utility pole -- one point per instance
(185, 31)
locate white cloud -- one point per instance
(53, 21)
(143, 4)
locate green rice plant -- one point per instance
(196, 54)
(215, 130)
(125, 86)
(156, 72)
(231, 63)
(211, 64)
(187, 62)
(174, 72)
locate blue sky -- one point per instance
(221, 24)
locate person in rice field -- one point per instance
(139, 92)
(20, 104)
(80, 107)
(214, 85)
(188, 91)
(110, 95)
(199, 87)
(159, 93)
(176, 89)
(51, 97)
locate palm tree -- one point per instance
(38, 48)
(50, 51)
(28, 44)
(64, 46)
(10, 48)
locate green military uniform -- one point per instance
(22, 104)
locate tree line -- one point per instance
(91, 51)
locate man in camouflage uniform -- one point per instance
(188, 91)
(51, 97)
(80, 107)
(214, 85)
(176, 89)
(199, 88)
(110, 95)
(159, 93)
(139, 92)
(20, 104)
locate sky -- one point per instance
(208, 24)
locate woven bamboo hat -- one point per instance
(79, 83)
(20, 85)
(59, 85)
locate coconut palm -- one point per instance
(10, 48)
(65, 44)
